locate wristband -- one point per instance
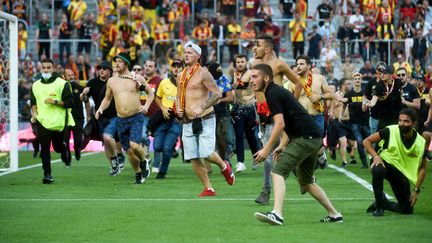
(55, 102)
(417, 190)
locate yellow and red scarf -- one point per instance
(307, 87)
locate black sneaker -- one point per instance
(378, 212)
(121, 158)
(353, 161)
(145, 168)
(270, 218)
(121, 164)
(35, 153)
(48, 179)
(333, 154)
(66, 156)
(263, 198)
(77, 155)
(160, 175)
(115, 168)
(322, 161)
(371, 208)
(344, 164)
(139, 179)
(329, 219)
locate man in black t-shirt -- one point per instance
(324, 11)
(107, 122)
(65, 32)
(369, 92)
(44, 32)
(387, 96)
(368, 73)
(299, 156)
(77, 113)
(424, 127)
(410, 96)
(367, 35)
(359, 117)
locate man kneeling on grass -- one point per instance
(400, 160)
(299, 155)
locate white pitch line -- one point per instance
(38, 165)
(159, 199)
(355, 178)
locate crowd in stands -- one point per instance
(338, 30)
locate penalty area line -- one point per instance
(355, 178)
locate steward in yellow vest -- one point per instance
(51, 100)
(400, 160)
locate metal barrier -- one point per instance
(220, 43)
(282, 20)
(73, 41)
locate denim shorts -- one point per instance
(108, 126)
(130, 130)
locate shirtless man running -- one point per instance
(125, 89)
(197, 92)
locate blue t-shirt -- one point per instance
(224, 86)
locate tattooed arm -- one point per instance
(215, 93)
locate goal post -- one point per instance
(9, 92)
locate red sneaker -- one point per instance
(228, 174)
(208, 192)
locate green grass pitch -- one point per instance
(86, 205)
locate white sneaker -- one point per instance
(240, 167)
(155, 170)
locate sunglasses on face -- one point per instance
(401, 75)
(137, 69)
(102, 68)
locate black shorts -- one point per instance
(343, 129)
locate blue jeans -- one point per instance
(373, 124)
(144, 137)
(165, 139)
(360, 133)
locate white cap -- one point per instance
(194, 46)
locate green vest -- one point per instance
(50, 116)
(406, 160)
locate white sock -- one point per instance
(225, 167)
(277, 214)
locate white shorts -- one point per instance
(201, 145)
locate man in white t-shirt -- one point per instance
(357, 24)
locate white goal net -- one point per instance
(8, 92)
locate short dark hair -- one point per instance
(268, 40)
(264, 69)
(342, 81)
(48, 60)
(240, 56)
(306, 58)
(411, 113)
(154, 61)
